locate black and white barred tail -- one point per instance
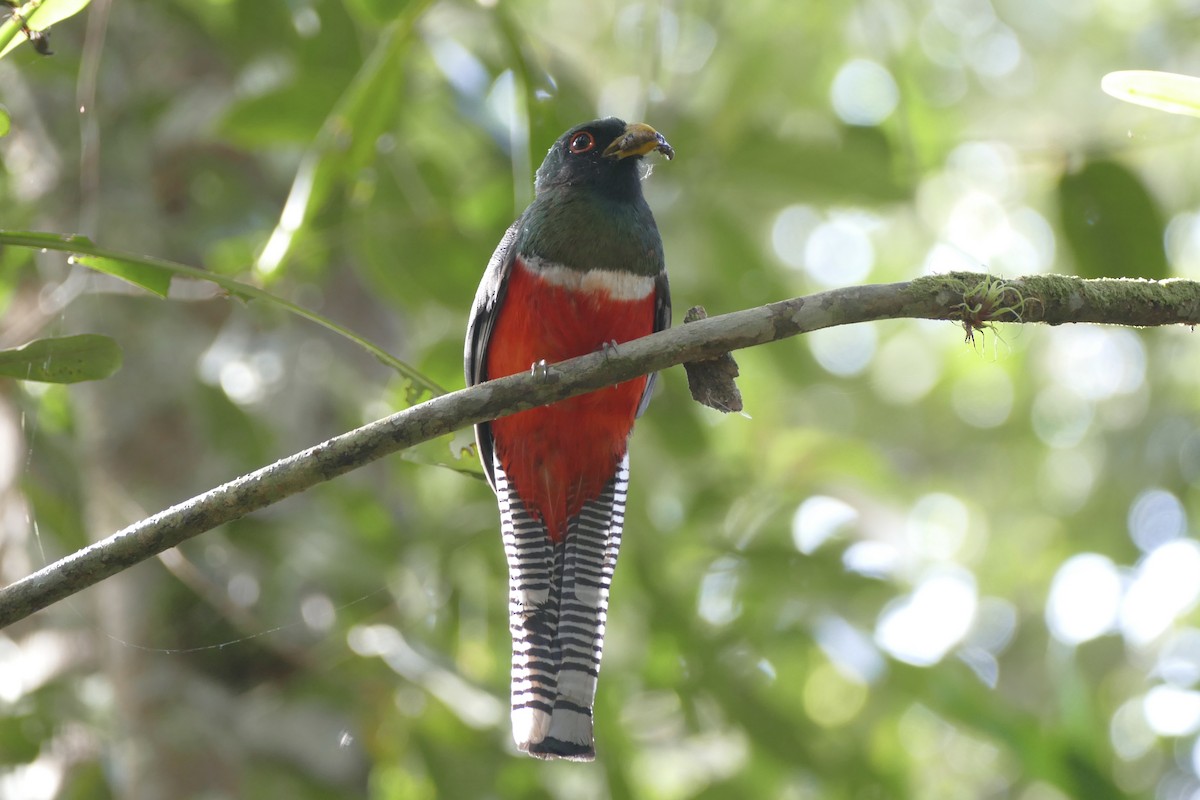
(558, 604)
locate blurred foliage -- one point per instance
(915, 568)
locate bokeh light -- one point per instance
(1085, 598)
(845, 350)
(1171, 711)
(1156, 517)
(983, 397)
(864, 92)
(817, 519)
(922, 627)
(908, 367)
(832, 699)
(849, 649)
(838, 252)
(1166, 584)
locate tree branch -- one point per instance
(973, 300)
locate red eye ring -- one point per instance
(582, 142)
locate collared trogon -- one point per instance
(579, 271)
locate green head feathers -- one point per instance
(589, 212)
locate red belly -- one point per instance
(559, 456)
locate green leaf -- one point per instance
(1165, 91)
(5, 121)
(1112, 225)
(66, 359)
(152, 277)
(46, 241)
(37, 16)
(40, 16)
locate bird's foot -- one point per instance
(540, 370)
(609, 348)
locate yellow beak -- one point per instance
(638, 139)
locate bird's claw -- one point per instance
(609, 348)
(540, 369)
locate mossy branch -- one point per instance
(972, 300)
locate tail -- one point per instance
(558, 604)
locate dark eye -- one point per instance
(582, 142)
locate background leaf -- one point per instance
(1165, 91)
(1111, 223)
(63, 359)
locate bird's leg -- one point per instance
(540, 369)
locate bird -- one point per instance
(581, 270)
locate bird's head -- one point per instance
(602, 155)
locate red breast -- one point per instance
(559, 456)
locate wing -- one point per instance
(484, 311)
(662, 321)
